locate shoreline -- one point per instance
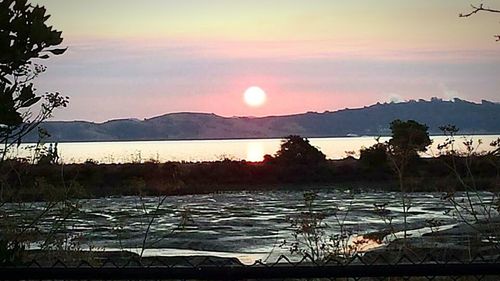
(94, 180)
(248, 138)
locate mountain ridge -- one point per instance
(470, 117)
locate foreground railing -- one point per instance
(210, 268)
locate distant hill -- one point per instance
(471, 118)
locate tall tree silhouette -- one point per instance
(24, 38)
(408, 139)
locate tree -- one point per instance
(24, 37)
(408, 139)
(480, 8)
(374, 158)
(297, 150)
(298, 161)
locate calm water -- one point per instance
(210, 150)
(247, 225)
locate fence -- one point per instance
(211, 268)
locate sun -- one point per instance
(254, 96)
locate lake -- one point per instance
(211, 150)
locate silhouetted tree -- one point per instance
(24, 37)
(297, 161)
(268, 159)
(408, 139)
(374, 159)
(480, 8)
(297, 150)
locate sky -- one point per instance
(139, 59)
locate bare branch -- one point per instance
(476, 9)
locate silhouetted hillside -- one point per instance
(471, 118)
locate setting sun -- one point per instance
(254, 96)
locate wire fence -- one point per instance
(359, 267)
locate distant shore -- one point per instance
(387, 135)
(227, 139)
(372, 120)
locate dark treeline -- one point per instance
(392, 165)
(46, 181)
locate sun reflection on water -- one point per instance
(255, 152)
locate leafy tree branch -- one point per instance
(24, 38)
